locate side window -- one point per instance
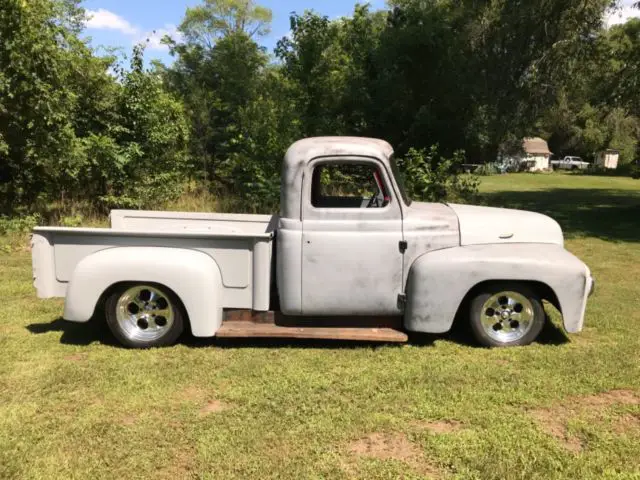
(348, 185)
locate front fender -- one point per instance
(193, 276)
(439, 281)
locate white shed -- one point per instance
(608, 158)
(536, 154)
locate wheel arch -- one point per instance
(98, 313)
(544, 291)
(440, 283)
(192, 276)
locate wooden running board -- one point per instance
(244, 329)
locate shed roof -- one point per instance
(536, 145)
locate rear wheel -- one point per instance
(144, 315)
(506, 314)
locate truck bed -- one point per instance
(241, 245)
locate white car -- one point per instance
(352, 260)
(570, 163)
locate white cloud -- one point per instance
(154, 38)
(102, 19)
(622, 14)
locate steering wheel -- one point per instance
(376, 200)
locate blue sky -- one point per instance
(122, 23)
(119, 23)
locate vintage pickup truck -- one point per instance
(353, 259)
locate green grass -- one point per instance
(73, 405)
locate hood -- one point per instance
(484, 225)
(430, 226)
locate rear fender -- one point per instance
(439, 281)
(193, 276)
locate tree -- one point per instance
(205, 24)
(38, 52)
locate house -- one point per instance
(608, 158)
(536, 154)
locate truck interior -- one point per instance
(348, 185)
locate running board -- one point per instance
(244, 329)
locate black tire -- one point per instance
(482, 302)
(147, 327)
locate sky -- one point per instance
(123, 23)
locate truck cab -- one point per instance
(355, 258)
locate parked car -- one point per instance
(569, 163)
(347, 264)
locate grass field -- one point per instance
(73, 405)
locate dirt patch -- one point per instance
(385, 446)
(440, 426)
(393, 446)
(77, 357)
(554, 420)
(192, 394)
(214, 406)
(627, 423)
(128, 420)
(182, 465)
(606, 399)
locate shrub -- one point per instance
(430, 177)
(15, 225)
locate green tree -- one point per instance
(205, 24)
(38, 49)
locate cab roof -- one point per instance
(303, 151)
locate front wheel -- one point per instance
(505, 315)
(144, 315)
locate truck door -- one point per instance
(352, 229)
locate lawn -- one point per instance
(73, 405)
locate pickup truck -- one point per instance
(354, 259)
(569, 163)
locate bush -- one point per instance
(488, 169)
(625, 170)
(15, 225)
(432, 178)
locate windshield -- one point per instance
(399, 180)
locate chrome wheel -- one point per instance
(507, 316)
(144, 313)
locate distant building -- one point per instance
(608, 158)
(536, 154)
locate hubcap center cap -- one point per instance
(505, 314)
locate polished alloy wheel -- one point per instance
(507, 316)
(144, 313)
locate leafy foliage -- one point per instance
(80, 129)
(431, 178)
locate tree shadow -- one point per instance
(608, 214)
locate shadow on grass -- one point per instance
(267, 343)
(76, 333)
(95, 331)
(607, 214)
